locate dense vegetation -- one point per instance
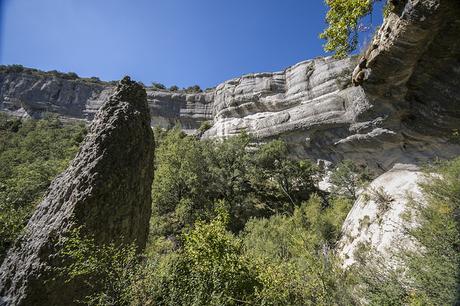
(237, 223)
(232, 224)
(432, 267)
(32, 153)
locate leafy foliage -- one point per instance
(348, 178)
(158, 86)
(108, 269)
(193, 89)
(32, 153)
(205, 125)
(428, 274)
(209, 270)
(191, 175)
(435, 271)
(343, 20)
(283, 260)
(236, 223)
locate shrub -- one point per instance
(108, 269)
(158, 86)
(208, 270)
(193, 89)
(205, 125)
(429, 272)
(348, 179)
(383, 200)
(16, 68)
(72, 75)
(295, 261)
(191, 175)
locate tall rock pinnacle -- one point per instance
(106, 191)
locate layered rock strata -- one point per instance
(411, 73)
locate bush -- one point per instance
(72, 75)
(158, 86)
(16, 68)
(205, 125)
(294, 256)
(191, 175)
(348, 179)
(208, 270)
(108, 270)
(193, 89)
(283, 260)
(429, 273)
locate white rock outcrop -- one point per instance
(377, 216)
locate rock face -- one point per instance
(187, 109)
(403, 109)
(411, 71)
(29, 92)
(106, 191)
(376, 218)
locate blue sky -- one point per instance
(182, 42)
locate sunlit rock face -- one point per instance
(377, 218)
(187, 110)
(32, 93)
(411, 75)
(303, 97)
(397, 103)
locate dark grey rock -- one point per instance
(106, 191)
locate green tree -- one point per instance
(158, 86)
(348, 178)
(191, 175)
(173, 88)
(108, 269)
(343, 18)
(193, 89)
(281, 183)
(179, 190)
(208, 270)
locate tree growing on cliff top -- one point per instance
(343, 19)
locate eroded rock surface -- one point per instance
(404, 109)
(106, 191)
(32, 93)
(377, 217)
(411, 75)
